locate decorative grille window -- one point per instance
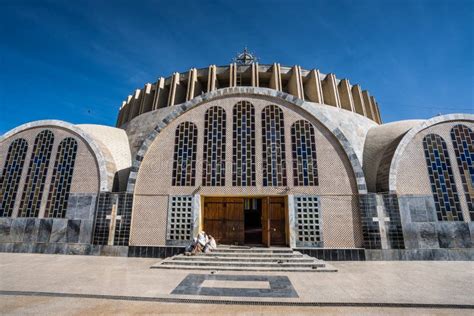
(305, 168)
(273, 147)
(441, 176)
(463, 143)
(180, 218)
(308, 223)
(36, 176)
(184, 160)
(243, 144)
(62, 178)
(11, 175)
(213, 169)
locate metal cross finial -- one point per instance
(245, 58)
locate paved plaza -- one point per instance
(51, 284)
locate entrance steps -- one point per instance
(247, 259)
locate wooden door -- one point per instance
(277, 221)
(224, 219)
(266, 222)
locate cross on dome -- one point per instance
(245, 58)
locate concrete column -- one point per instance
(120, 118)
(158, 99)
(312, 88)
(275, 79)
(375, 110)
(345, 95)
(146, 101)
(135, 104)
(173, 88)
(255, 79)
(233, 75)
(368, 105)
(127, 109)
(292, 220)
(212, 78)
(192, 79)
(196, 214)
(377, 107)
(331, 95)
(358, 100)
(295, 86)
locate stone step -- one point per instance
(245, 259)
(255, 250)
(326, 268)
(176, 261)
(216, 253)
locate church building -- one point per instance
(253, 154)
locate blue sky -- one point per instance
(77, 60)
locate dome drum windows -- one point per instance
(11, 175)
(184, 159)
(305, 169)
(448, 207)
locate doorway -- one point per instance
(253, 221)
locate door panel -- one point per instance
(224, 219)
(277, 221)
(266, 222)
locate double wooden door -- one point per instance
(224, 220)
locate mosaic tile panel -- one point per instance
(180, 218)
(305, 169)
(62, 177)
(184, 159)
(36, 177)
(213, 169)
(273, 147)
(370, 229)
(243, 144)
(308, 221)
(448, 207)
(102, 224)
(11, 175)
(394, 226)
(463, 143)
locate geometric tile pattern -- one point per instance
(122, 226)
(62, 177)
(11, 175)
(243, 144)
(370, 229)
(213, 169)
(273, 147)
(184, 161)
(394, 226)
(36, 177)
(448, 207)
(463, 143)
(308, 225)
(102, 224)
(180, 218)
(305, 168)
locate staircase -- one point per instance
(235, 258)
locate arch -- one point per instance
(61, 179)
(291, 100)
(104, 161)
(33, 189)
(213, 164)
(185, 151)
(409, 137)
(11, 175)
(463, 143)
(305, 163)
(443, 186)
(243, 144)
(273, 147)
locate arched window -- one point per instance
(184, 160)
(442, 182)
(305, 167)
(38, 168)
(273, 146)
(213, 166)
(11, 175)
(243, 144)
(463, 143)
(62, 177)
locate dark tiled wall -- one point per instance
(154, 252)
(370, 229)
(394, 226)
(356, 254)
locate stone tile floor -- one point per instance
(52, 284)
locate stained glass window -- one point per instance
(11, 175)
(36, 177)
(243, 144)
(441, 176)
(463, 143)
(273, 147)
(213, 169)
(305, 168)
(62, 178)
(184, 159)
